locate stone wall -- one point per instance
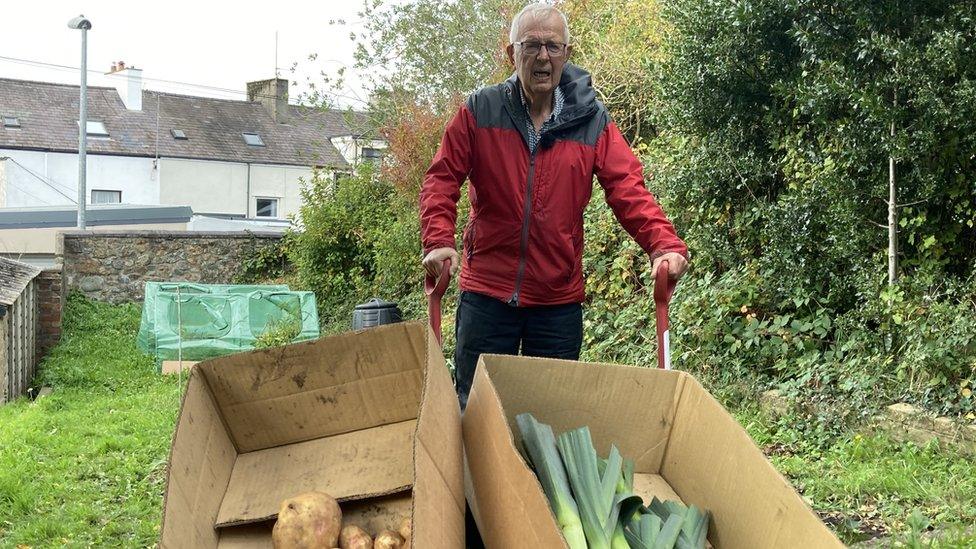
(50, 304)
(902, 422)
(114, 267)
(906, 423)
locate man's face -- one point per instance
(540, 72)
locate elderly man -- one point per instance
(530, 147)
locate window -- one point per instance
(179, 134)
(371, 154)
(266, 207)
(338, 174)
(253, 139)
(106, 197)
(11, 122)
(96, 129)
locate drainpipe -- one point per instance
(247, 193)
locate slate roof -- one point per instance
(14, 277)
(48, 115)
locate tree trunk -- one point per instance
(892, 210)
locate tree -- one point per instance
(779, 120)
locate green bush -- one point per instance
(265, 260)
(340, 222)
(278, 333)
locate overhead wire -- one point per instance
(43, 180)
(164, 81)
(365, 128)
(32, 195)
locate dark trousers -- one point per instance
(485, 325)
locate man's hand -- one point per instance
(677, 265)
(434, 261)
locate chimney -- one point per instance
(128, 82)
(273, 96)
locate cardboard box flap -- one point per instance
(712, 462)
(320, 388)
(623, 405)
(200, 464)
(504, 500)
(438, 513)
(349, 466)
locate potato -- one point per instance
(406, 528)
(308, 520)
(388, 539)
(354, 537)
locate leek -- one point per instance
(669, 533)
(594, 493)
(593, 500)
(663, 525)
(594, 483)
(625, 490)
(540, 443)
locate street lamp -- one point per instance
(82, 24)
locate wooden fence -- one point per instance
(18, 331)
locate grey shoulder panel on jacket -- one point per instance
(487, 105)
(590, 132)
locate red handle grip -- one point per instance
(663, 288)
(435, 288)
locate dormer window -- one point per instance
(372, 154)
(96, 129)
(253, 139)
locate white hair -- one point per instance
(537, 10)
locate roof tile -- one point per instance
(48, 116)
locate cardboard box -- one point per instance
(369, 417)
(684, 444)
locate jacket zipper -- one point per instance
(527, 210)
(526, 216)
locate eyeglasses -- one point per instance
(554, 49)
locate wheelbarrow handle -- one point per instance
(435, 288)
(663, 288)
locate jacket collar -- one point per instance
(579, 97)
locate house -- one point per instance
(230, 159)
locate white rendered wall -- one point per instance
(37, 178)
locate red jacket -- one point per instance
(524, 240)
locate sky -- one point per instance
(202, 44)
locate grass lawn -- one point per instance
(865, 485)
(85, 466)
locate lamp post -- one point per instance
(82, 24)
